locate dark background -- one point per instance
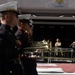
(66, 33)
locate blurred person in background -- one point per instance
(58, 48)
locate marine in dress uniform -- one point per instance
(23, 35)
(8, 44)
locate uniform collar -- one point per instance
(5, 26)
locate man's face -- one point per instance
(14, 19)
(11, 18)
(21, 25)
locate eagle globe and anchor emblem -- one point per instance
(59, 2)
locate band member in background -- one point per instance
(58, 47)
(23, 34)
(50, 45)
(73, 46)
(57, 43)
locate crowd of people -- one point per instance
(57, 50)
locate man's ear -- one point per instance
(7, 17)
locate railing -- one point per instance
(50, 54)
